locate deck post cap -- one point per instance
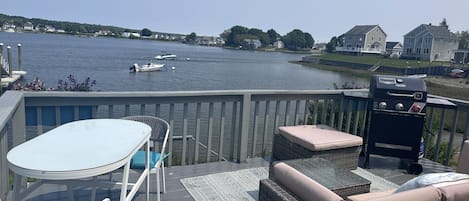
(19, 44)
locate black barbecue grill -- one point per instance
(396, 118)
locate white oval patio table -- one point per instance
(82, 149)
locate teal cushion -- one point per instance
(138, 160)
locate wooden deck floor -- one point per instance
(385, 167)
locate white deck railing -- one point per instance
(209, 125)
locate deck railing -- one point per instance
(213, 125)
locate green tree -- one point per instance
(191, 38)
(443, 23)
(330, 47)
(297, 40)
(309, 41)
(463, 39)
(273, 35)
(262, 36)
(146, 32)
(233, 38)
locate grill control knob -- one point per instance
(382, 105)
(416, 108)
(399, 106)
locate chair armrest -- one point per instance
(272, 191)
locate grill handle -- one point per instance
(400, 95)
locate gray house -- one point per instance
(428, 42)
(368, 39)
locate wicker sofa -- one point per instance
(286, 184)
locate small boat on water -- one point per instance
(165, 56)
(146, 67)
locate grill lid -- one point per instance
(397, 87)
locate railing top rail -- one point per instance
(9, 101)
(458, 102)
(178, 93)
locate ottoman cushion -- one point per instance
(319, 138)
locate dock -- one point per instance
(8, 76)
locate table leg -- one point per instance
(71, 196)
(125, 181)
(147, 165)
(93, 190)
(17, 187)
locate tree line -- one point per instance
(294, 40)
(68, 27)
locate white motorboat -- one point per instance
(146, 67)
(165, 56)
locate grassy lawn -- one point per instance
(380, 60)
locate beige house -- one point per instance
(367, 39)
(431, 43)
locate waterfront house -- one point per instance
(28, 26)
(364, 39)
(255, 43)
(279, 44)
(320, 46)
(431, 43)
(49, 28)
(8, 27)
(461, 57)
(393, 49)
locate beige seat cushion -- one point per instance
(301, 185)
(457, 192)
(370, 196)
(428, 193)
(319, 138)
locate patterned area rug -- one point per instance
(377, 183)
(244, 184)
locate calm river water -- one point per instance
(53, 57)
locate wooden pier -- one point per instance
(8, 76)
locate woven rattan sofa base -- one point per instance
(284, 149)
(271, 191)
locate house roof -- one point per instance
(440, 31)
(435, 31)
(360, 29)
(390, 45)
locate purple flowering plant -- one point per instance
(71, 84)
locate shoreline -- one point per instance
(437, 85)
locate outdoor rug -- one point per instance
(377, 183)
(244, 184)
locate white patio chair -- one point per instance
(159, 137)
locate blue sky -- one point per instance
(322, 18)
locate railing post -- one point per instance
(20, 67)
(10, 69)
(4, 172)
(19, 124)
(244, 127)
